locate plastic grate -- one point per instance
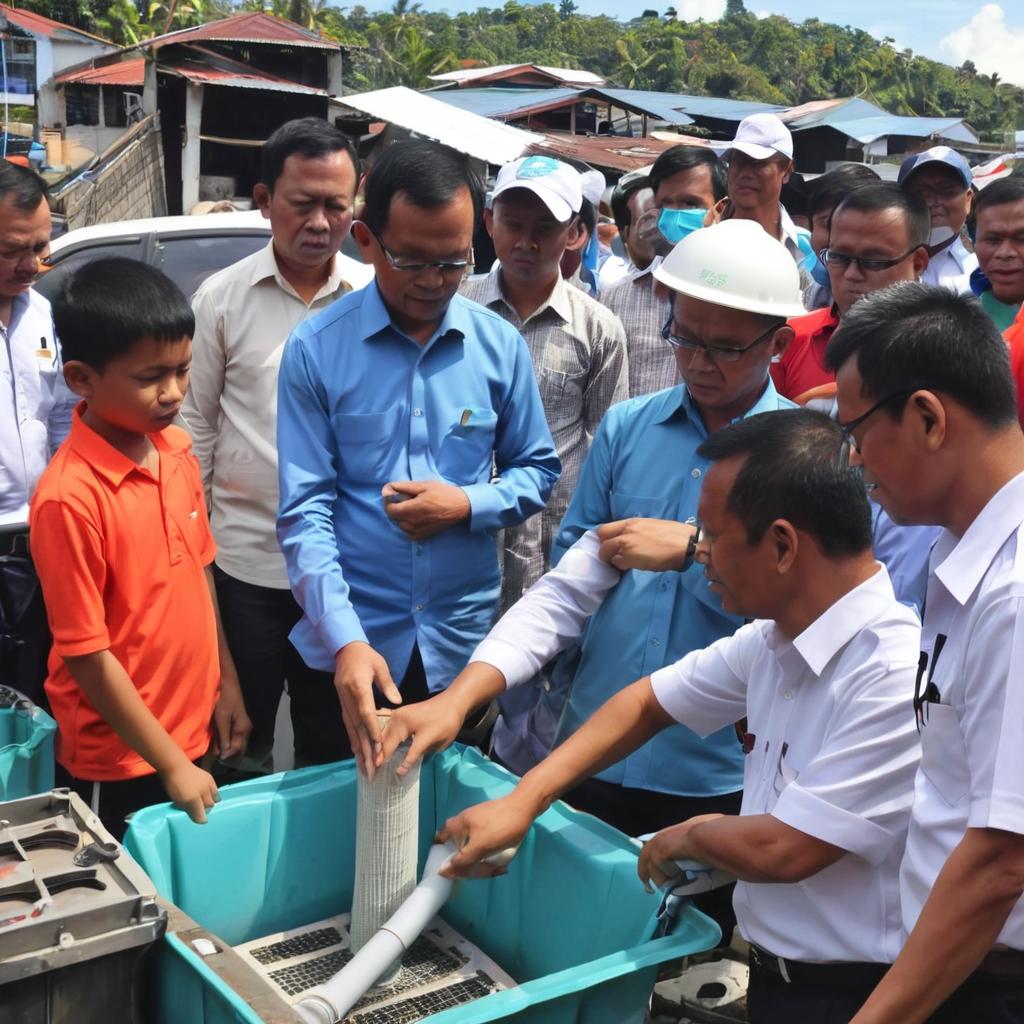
(417, 1007)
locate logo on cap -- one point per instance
(537, 167)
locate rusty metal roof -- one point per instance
(126, 72)
(255, 27)
(39, 25)
(615, 152)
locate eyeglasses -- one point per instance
(872, 265)
(414, 266)
(716, 353)
(849, 443)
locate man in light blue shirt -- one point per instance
(410, 429)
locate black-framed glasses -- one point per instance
(866, 265)
(410, 265)
(716, 353)
(849, 443)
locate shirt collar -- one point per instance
(265, 266)
(831, 631)
(374, 318)
(790, 232)
(955, 251)
(103, 458)
(962, 569)
(635, 273)
(558, 300)
(679, 402)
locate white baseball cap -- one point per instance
(556, 184)
(762, 136)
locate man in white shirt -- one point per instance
(942, 178)
(244, 315)
(821, 678)
(35, 416)
(927, 399)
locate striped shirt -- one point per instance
(634, 300)
(578, 350)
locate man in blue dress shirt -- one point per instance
(733, 288)
(410, 430)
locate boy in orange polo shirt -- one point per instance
(139, 669)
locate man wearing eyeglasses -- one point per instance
(927, 402)
(877, 235)
(942, 178)
(35, 416)
(410, 429)
(733, 286)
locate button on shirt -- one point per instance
(834, 755)
(361, 404)
(35, 403)
(244, 315)
(972, 757)
(643, 463)
(578, 351)
(634, 300)
(952, 267)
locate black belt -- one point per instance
(831, 975)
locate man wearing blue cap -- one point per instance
(942, 178)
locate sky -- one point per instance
(990, 34)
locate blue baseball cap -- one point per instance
(936, 155)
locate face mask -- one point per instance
(675, 225)
(940, 234)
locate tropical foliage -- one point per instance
(740, 56)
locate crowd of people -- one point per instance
(719, 540)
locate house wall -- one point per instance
(64, 54)
(129, 185)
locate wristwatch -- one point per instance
(691, 548)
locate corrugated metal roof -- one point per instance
(126, 72)
(38, 25)
(864, 121)
(505, 103)
(663, 106)
(610, 151)
(426, 114)
(204, 67)
(570, 76)
(255, 27)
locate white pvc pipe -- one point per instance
(330, 1002)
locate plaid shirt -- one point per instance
(579, 357)
(652, 363)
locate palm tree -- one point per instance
(633, 61)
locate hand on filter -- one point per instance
(357, 667)
(655, 865)
(423, 508)
(487, 830)
(655, 544)
(231, 723)
(433, 726)
(191, 789)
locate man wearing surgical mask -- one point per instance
(685, 182)
(942, 178)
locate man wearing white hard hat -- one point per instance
(942, 178)
(611, 620)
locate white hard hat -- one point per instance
(737, 264)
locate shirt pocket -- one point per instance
(634, 506)
(561, 393)
(466, 455)
(365, 444)
(944, 754)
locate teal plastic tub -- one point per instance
(570, 921)
(26, 747)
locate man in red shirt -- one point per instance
(877, 236)
(1015, 339)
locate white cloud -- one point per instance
(709, 10)
(990, 42)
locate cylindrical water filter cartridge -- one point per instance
(387, 836)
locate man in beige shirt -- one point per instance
(244, 315)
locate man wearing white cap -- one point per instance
(760, 163)
(637, 495)
(578, 347)
(942, 178)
